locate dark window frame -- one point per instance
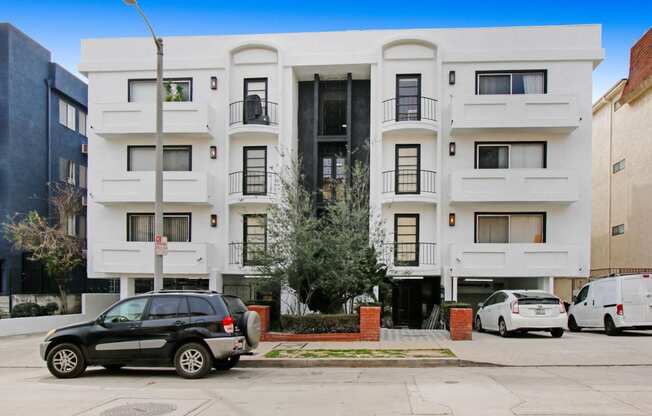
(245, 217)
(396, 242)
(397, 149)
(398, 79)
(245, 149)
(542, 213)
(180, 146)
(188, 214)
(617, 230)
(476, 144)
(171, 79)
(245, 83)
(509, 72)
(618, 166)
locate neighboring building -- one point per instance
(42, 129)
(478, 142)
(622, 170)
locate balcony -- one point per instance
(517, 260)
(407, 185)
(138, 187)
(253, 116)
(409, 255)
(253, 187)
(132, 257)
(180, 119)
(514, 185)
(246, 254)
(410, 114)
(547, 113)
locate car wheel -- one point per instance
(478, 324)
(113, 367)
(610, 327)
(250, 326)
(227, 363)
(557, 332)
(572, 325)
(66, 361)
(502, 328)
(193, 360)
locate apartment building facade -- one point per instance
(622, 170)
(477, 140)
(42, 140)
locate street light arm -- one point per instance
(157, 40)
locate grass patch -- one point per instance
(360, 353)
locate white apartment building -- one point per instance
(478, 143)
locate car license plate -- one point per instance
(540, 311)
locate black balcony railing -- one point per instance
(247, 254)
(409, 181)
(410, 254)
(253, 110)
(253, 183)
(410, 108)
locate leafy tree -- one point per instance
(49, 243)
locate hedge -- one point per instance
(28, 309)
(320, 323)
(445, 311)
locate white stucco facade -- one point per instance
(451, 112)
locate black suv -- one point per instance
(190, 330)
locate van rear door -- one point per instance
(636, 291)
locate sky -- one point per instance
(59, 25)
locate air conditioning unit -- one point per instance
(84, 149)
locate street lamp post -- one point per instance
(158, 164)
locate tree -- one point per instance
(327, 260)
(50, 243)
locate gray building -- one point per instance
(43, 111)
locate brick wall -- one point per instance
(369, 328)
(461, 324)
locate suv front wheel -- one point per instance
(66, 361)
(193, 360)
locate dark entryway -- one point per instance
(413, 300)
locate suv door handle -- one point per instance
(179, 323)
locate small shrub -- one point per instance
(50, 308)
(320, 323)
(27, 309)
(445, 311)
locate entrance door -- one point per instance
(406, 300)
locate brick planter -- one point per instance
(461, 324)
(369, 328)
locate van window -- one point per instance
(581, 297)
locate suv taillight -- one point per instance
(562, 308)
(619, 310)
(515, 307)
(227, 324)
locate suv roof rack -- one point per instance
(208, 292)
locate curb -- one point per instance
(360, 363)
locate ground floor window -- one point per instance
(504, 228)
(176, 227)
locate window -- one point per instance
(618, 229)
(71, 228)
(582, 295)
(175, 158)
(511, 82)
(332, 171)
(164, 307)
(332, 108)
(234, 305)
(408, 97)
(406, 239)
(255, 101)
(512, 155)
(407, 168)
(255, 167)
(128, 311)
(618, 166)
(67, 171)
(83, 177)
(200, 307)
(82, 123)
(510, 228)
(81, 228)
(255, 237)
(67, 114)
(176, 227)
(174, 89)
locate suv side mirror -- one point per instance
(480, 305)
(574, 298)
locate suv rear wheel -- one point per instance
(193, 360)
(227, 363)
(66, 361)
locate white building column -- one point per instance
(215, 281)
(454, 289)
(127, 287)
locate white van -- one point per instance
(613, 303)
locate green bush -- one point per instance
(445, 311)
(50, 308)
(27, 309)
(320, 323)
